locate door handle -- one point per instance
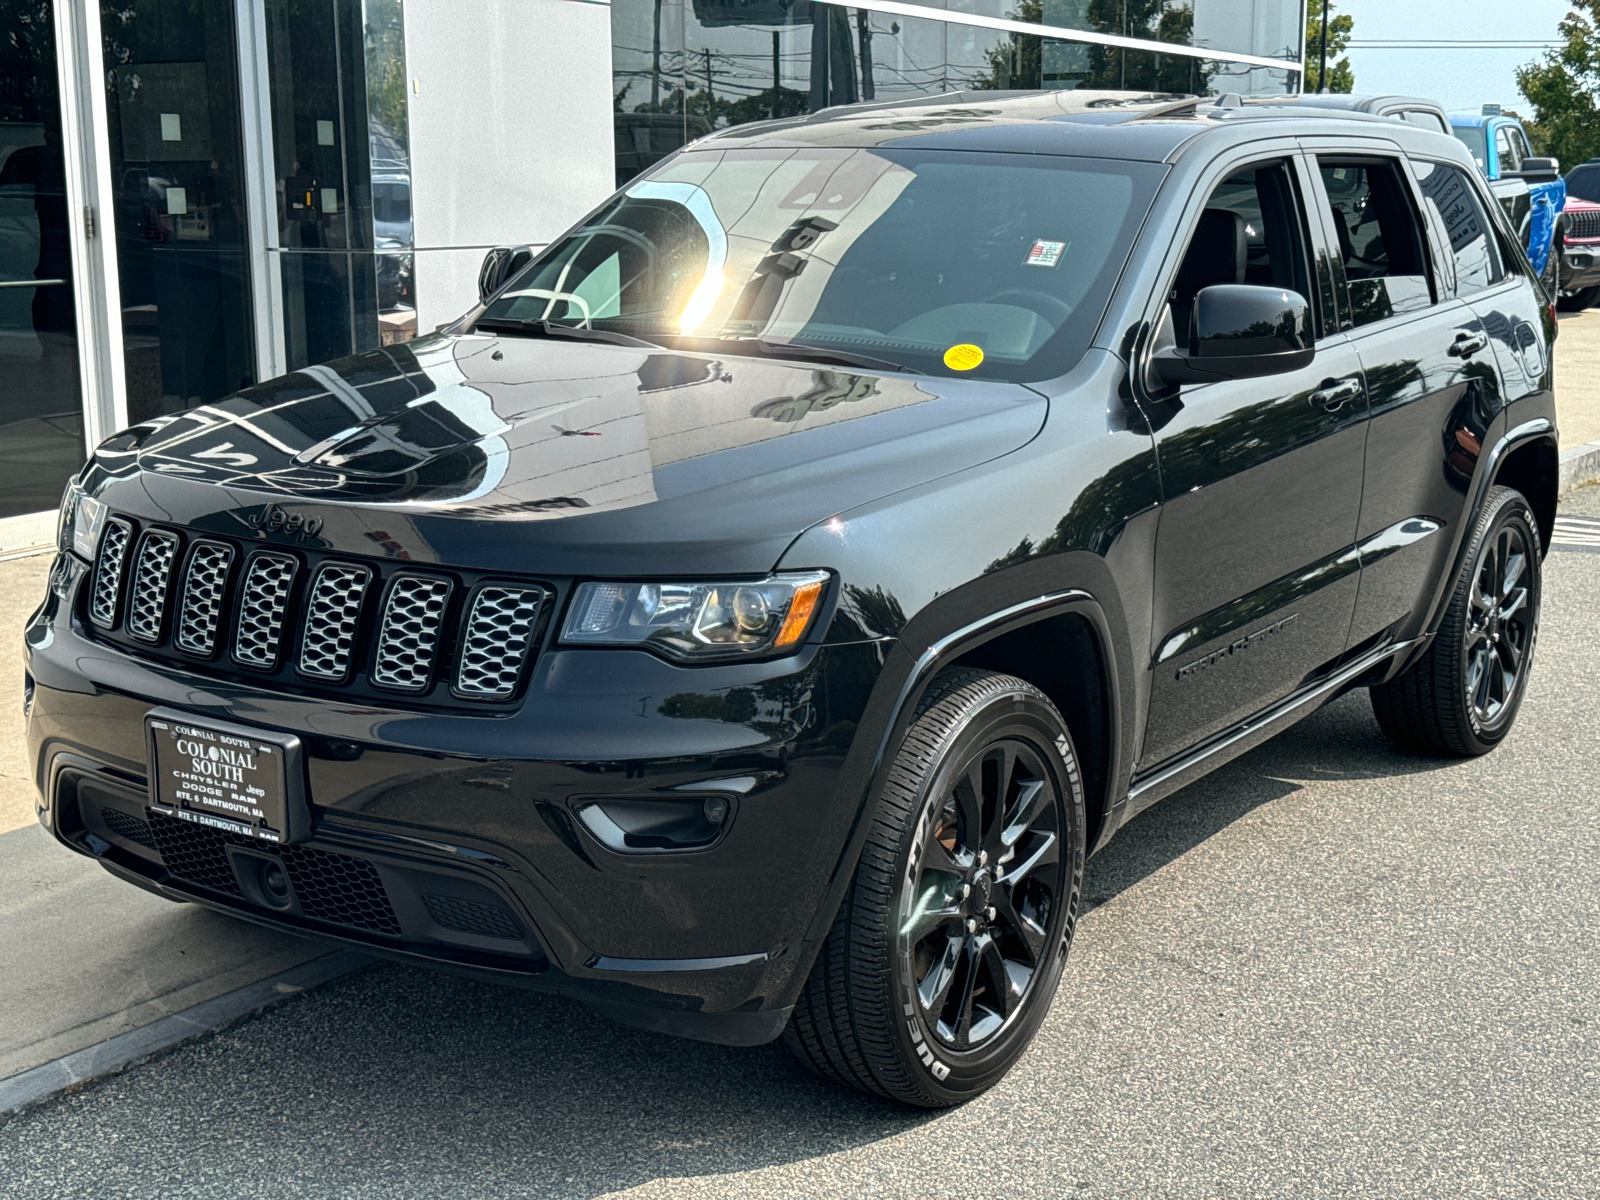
(1336, 393)
(1467, 344)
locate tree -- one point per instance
(1341, 75)
(1563, 85)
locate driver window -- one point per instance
(1506, 150)
(1380, 242)
(1250, 232)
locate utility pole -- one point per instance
(655, 61)
(710, 95)
(777, 96)
(1322, 68)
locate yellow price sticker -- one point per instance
(963, 357)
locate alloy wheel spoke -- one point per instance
(1510, 656)
(935, 857)
(969, 804)
(1031, 801)
(1516, 562)
(995, 807)
(932, 910)
(934, 990)
(1477, 672)
(1513, 603)
(1032, 937)
(1047, 851)
(969, 986)
(1005, 998)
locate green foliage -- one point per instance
(386, 65)
(1019, 63)
(1562, 87)
(1341, 75)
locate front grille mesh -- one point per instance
(147, 607)
(326, 631)
(108, 573)
(121, 824)
(200, 610)
(471, 916)
(1584, 223)
(410, 632)
(497, 638)
(330, 887)
(266, 594)
(333, 610)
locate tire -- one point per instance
(1550, 277)
(953, 889)
(1579, 300)
(1461, 697)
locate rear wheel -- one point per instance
(944, 957)
(1550, 277)
(1461, 697)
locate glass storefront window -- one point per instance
(683, 68)
(172, 101)
(342, 153)
(41, 407)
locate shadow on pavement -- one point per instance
(424, 1080)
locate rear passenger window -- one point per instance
(1462, 217)
(1380, 243)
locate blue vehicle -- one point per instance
(1529, 187)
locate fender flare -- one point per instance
(939, 653)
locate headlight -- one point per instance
(698, 621)
(79, 524)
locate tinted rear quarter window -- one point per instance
(1385, 263)
(1449, 193)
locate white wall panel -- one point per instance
(510, 119)
(447, 285)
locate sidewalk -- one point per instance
(1578, 396)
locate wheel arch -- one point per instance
(994, 623)
(1533, 468)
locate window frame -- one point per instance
(1440, 236)
(1370, 156)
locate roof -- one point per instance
(1143, 126)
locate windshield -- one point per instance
(1476, 142)
(1584, 183)
(994, 266)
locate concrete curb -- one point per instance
(1579, 466)
(127, 1049)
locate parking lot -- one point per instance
(1328, 969)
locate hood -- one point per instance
(554, 456)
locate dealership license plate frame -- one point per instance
(273, 763)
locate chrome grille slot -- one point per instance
(1585, 223)
(152, 572)
(108, 573)
(496, 641)
(263, 597)
(200, 609)
(408, 636)
(333, 609)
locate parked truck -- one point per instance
(1528, 186)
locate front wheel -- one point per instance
(1461, 697)
(1577, 301)
(944, 957)
(1550, 277)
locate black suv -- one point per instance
(748, 618)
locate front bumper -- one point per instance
(455, 840)
(1580, 266)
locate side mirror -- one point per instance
(1539, 170)
(1240, 331)
(499, 265)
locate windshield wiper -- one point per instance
(844, 358)
(540, 327)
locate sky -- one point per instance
(1459, 77)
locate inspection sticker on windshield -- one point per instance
(1045, 254)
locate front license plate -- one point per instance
(227, 778)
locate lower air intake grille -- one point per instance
(330, 887)
(147, 609)
(121, 824)
(108, 573)
(200, 610)
(495, 644)
(471, 916)
(409, 635)
(265, 593)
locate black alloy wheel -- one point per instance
(1462, 695)
(1579, 299)
(983, 888)
(947, 950)
(1550, 277)
(1500, 626)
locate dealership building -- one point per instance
(196, 195)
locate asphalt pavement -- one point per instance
(1328, 969)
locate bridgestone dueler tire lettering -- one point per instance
(851, 1023)
(1424, 709)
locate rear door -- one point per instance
(1428, 367)
(1255, 573)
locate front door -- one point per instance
(1255, 572)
